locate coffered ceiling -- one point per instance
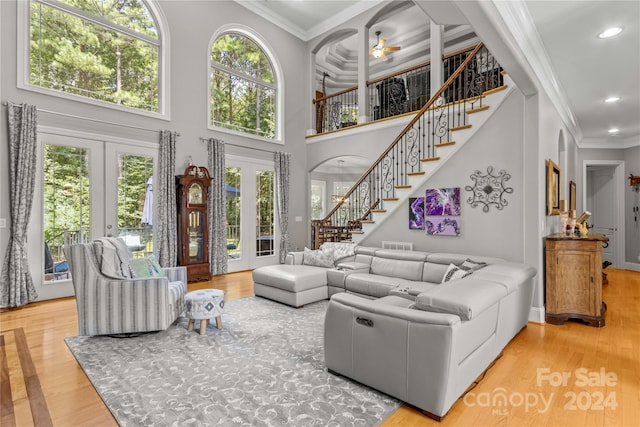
(584, 69)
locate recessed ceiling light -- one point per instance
(614, 130)
(610, 32)
(612, 99)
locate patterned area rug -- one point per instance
(264, 368)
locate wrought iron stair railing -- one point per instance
(432, 127)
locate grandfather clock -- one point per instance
(193, 228)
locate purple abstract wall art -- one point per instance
(416, 213)
(442, 226)
(442, 201)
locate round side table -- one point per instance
(204, 305)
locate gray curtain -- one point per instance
(217, 207)
(281, 166)
(17, 287)
(165, 195)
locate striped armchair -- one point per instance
(109, 306)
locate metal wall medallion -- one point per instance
(489, 189)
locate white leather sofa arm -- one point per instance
(294, 258)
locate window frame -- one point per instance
(277, 75)
(162, 43)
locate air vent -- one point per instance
(403, 246)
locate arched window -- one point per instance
(243, 87)
(106, 50)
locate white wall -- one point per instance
(497, 233)
(191, 26)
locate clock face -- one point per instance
(195, 193)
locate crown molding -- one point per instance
(519, 23)
(260, 8)
(610, 144)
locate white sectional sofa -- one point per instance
(395, 322)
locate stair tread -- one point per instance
(478, 109)
(390, 199)
(445, 144)
(402, 186)
(378, 210)
(460, 127)
(494, 90)
(430, 159)
(416, 173)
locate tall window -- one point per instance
(106, 50)
(243, 87)
(318, 197)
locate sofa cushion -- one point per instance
(318, 258)
(291, 278)
(465, 298)
(402, 269)
(433, 272)
(370, 284)
(471, 265)
(508, 274)
(340, 250)
(454, 273)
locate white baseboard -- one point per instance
(536, 314)
(633, 266)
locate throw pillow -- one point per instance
(340, 249)
(454, 272)
(146, 267)
(471, 265)
(318, 258)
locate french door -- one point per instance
(252, 232)
(89, 189)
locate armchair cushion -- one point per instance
(146, 267)
(113, 257)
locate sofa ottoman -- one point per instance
(295, 285)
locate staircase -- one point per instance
(437, 132)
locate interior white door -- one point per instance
(602, 205)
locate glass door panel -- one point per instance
(265, 213)
(251, 227)
(135, 202)
(196, 236)
(66, 213)
(128, 195)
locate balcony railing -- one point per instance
(417, 143)
(337, 111)
(391, 95)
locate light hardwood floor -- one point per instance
(43, 385)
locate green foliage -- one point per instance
(66, 192)
(73, 55)
(132, 187)
(242, 86)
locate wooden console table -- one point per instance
(574, 279)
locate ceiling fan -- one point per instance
(378, 50)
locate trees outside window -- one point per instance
(243, 87)
(106, 50)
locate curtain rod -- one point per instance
(202, 139)
(73, 116)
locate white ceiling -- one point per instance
(587, 69)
